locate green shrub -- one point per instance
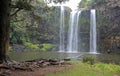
(89, 59)
(31, 45)
(47, 46)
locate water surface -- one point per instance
(23, 56)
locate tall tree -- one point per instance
(4, 28)
(5, 7)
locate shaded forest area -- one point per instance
(30, 28)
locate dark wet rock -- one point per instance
(67, 59)
(6, 73)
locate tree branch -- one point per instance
(16, 12)
(30, 1)
(20, 20)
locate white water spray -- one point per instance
(93, 34)
(62, 34)
(72, 46)
(72, 4)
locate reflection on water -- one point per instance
(23, 56)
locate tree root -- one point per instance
(30, 65)
(5, 59)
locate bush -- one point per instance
(89, 60)
(31, 45)
(47, 46)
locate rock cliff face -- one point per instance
(109, 26)
(106, 4)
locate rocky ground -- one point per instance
(38, 67)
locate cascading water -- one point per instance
(93, 34)
(72, 46)
(62, 35)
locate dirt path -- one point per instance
(40, 71)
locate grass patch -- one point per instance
(84, 69)
(31, 45)
(47, 47)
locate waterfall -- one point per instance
(62, 35)
(72, 45)
(93, 34)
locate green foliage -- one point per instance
(56, 1)
(82, 69)
(47, 47)
(89, 60)
(107, 67)
(31, 45)
(35, 26)
(83, 3)
(23, 4)
(90, 3)
(17, 34)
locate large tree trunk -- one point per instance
(4, 28)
